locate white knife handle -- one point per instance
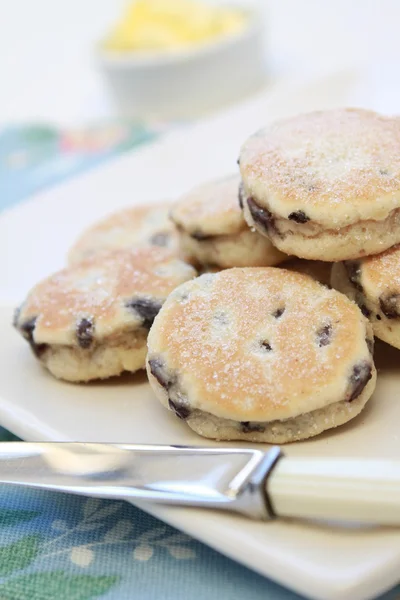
(359, 490)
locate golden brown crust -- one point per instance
(131, 227)
(211, 208)
(337, 167)
(213, 231)
(100, 290)
(382, 272)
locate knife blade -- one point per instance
(257, 484)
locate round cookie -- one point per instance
(132, 227)
(262, 355)
(325, 185)
(213, 231)
(91, 320)
(374, 284)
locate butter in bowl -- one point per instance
(177, 59)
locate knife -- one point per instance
(257, 484)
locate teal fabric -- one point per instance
(36, 156)
(63, 547)
(56, 546)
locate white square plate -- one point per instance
(317, 560)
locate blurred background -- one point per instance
(73, 95)
(49, 69)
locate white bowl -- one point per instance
(187, 83)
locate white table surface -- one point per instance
(48, 73)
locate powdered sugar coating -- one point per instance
(131, 227)
(381, 273)
(374, 284)
(338, 166)
(100, 290)
(213, 230)
(211, 208)
(245, 343)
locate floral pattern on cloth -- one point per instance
(56, 546)
(63, 547)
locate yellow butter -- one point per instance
(169, 24)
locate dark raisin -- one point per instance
(241, 195)
(370, 343)
(157, 369)
(160, 239)
(378, 318)
(324, 335)
(361, 374)
(27, 330)
(266, 346)
(84, 333)
(248, 427)
(299, 216)
(390, 305)
(279, 312)
(262, 216)
(146, 308)
(180, 410)
(365, 311)
(354, 274)
(39, 349)
(169, 381)
(200, 236)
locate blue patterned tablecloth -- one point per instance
(62, 547)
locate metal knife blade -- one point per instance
(258, 484)
(230, 479)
